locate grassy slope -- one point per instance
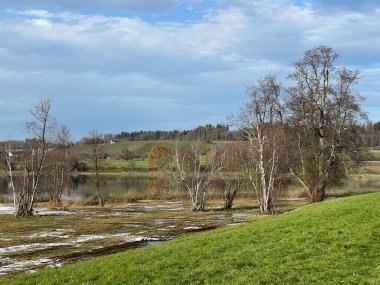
(141, 147)
(335, 242)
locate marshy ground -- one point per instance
(54, 238)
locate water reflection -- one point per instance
(82, 187)
(117, 189)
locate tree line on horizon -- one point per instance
(369, 136)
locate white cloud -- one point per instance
(168, 71)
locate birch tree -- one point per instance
(34, 158)
(195, 171)
(6, 156)
(260, 124)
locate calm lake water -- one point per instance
(117, 189)
(81, 188)
(129, 188)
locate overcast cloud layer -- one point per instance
(130, 65)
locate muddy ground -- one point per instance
(55, 238)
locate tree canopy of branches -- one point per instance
(260, 122)
(58, 164)
(323, 110)
(6, 167)
(34, 158)
(97, 156)
(232, 173)
(196, 172)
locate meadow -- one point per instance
(334, 242)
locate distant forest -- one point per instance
(205, 133)
(369, 136)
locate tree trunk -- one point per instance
(198, 204)
(100, 198)
(22, 208)
(229, 199)
(266, 206)
(317, 194)
(228, 204)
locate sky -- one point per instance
(128, 65)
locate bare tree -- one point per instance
(58, 164)
(6, 169)
(260, 123)
(196, 171)
(97, 156)
(34, 157)
(323, 111)
(232, 173)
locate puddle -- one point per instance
(123, 228)
(30, 247)
(192, 228)
(125, 237)
(228, 216)
(15, 265)
(46, 212)
(9, 210)
(161, 221)
(149, 243)
(5, 239)
(6, 210)
(87, 238)
(166, 206)
(59, 233)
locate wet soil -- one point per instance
(56, 238)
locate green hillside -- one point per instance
(140, 147)
(334, 242)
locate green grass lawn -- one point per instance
(375, 153)
(334, 242)
(125, 164)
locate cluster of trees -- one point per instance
(208, 132)
(370, 135)
(308, 131)
(39, 165)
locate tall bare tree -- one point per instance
(7, 166)
(323, 111)
(34, 158)
(231, 175)
(96, 156)
(260, 122)
(195, 171)
(58, 164)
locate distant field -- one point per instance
(113, 151)
(139, 147)
(375, 153)
(371, 167)
(122, 164)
